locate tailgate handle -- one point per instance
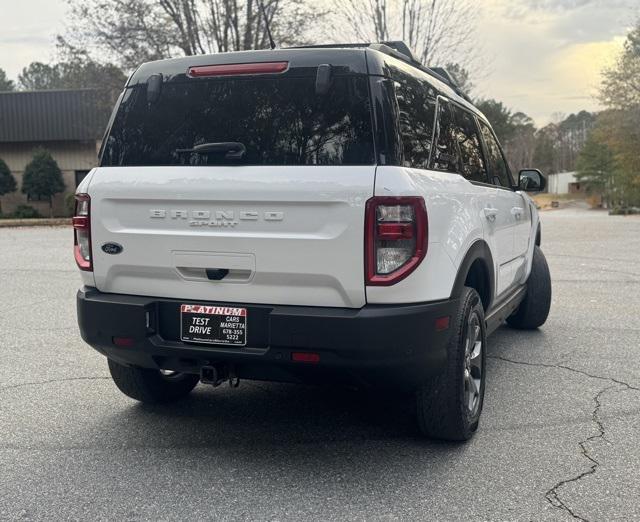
(216, 274)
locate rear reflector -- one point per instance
(442, 323)
(123, 341)
(237, 69)
(305, 357)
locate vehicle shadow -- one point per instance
(287, 430)
(266, 414)
(260, 416)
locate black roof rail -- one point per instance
(449, 79)
(401, 47)
(439, 73)
(386, 49)
(332, 46)
(401, 51)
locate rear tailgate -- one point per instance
(277, 234)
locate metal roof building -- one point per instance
(51, 115)
(68, 123)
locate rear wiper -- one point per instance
(232, 149)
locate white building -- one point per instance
(564, 183)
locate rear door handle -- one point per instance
(490, 213)
(517, 212)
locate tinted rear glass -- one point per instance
(279, 121)
(498, 168)
(468, 138)
(446, 155)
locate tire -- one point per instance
(449, 405)
(151, 386)
(534, 309)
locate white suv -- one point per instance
(328, 214)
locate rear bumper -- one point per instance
(375, 344)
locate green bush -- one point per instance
(25, 212)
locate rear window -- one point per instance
(280, 121)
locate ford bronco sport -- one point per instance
(326, 214)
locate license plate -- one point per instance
(213, 324)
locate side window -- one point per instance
(446, 155)
(468, 138)
(416, 111)
(498, 169)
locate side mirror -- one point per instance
(531, 180)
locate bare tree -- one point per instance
(437, 31)
(368, 19)
(520, 146)
(133, 31)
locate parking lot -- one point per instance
(559, 437)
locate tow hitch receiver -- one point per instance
(217, 374)
(211, 375)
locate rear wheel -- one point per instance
(534, 309)
(449, 405)
(152, 386)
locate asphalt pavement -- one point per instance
(559, 437)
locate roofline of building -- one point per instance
(39, 91)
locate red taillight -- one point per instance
(234, 69)
(395, 238)
(80, 222)
(395, 231)
(82, 232)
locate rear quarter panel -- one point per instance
(454, 224)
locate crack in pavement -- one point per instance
(552, 495)
(568, 368)
(49, 381)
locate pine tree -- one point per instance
(596, 167)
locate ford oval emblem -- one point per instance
(111, 248)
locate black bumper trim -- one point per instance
(388, 342)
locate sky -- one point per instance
(541, 57)
(546, 56)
